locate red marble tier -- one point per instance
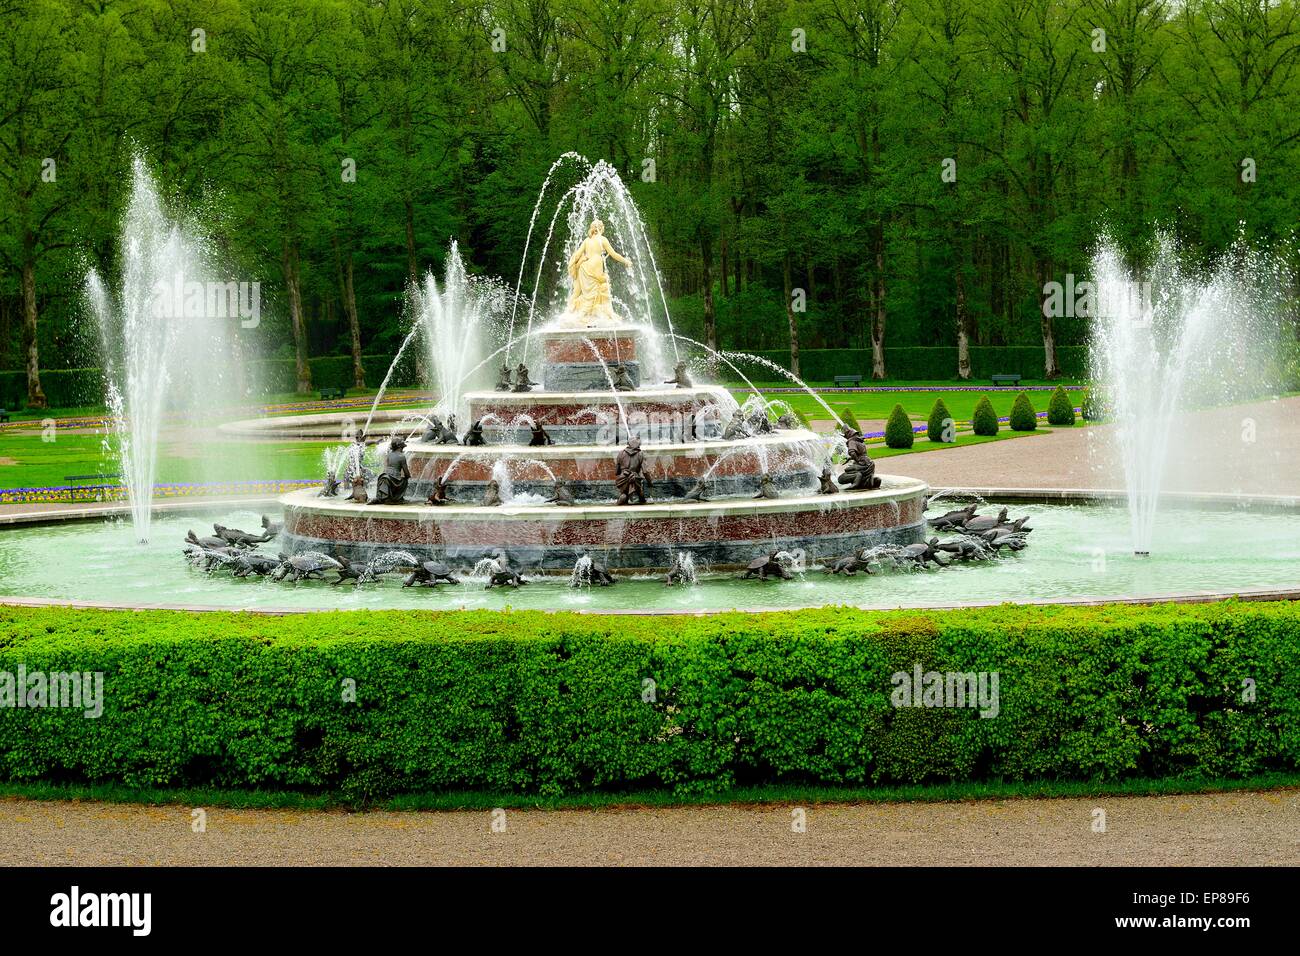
(591, 348)
(682, 466)
(599, 409)
(449, 529)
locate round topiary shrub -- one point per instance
(1023, 417)
(985, 419)
(940, 426)
(898, 430)
(1060, 410)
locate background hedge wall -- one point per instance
(84, 386)
(552, 703)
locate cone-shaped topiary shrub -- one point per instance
(1090, 408)
(1023, 418)
(898, 430)
(848, 418)
(1060, 410)
(985, 420)
(939, 422)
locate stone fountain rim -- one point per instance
(1085, 496)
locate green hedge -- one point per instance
(928, 363)
(553, 703)
(65, 388)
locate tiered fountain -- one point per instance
(725, 484)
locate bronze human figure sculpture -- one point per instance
(390, 487)
(358, 489)
(860, 473)
(630, 477)
(503, 379)
(492, 494)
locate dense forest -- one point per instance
(816, 174)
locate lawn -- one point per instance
(26, 461)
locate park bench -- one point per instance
(4, 414)
(332, 392)
(1006, 379)
(848, 379)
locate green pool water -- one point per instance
(1075, 551)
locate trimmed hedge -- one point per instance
(934, 426)
(984, 420)
(1023, 418)
(898, 430)
(65, 388)
(556, 703)
(1060, 410)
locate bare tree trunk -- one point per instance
(790, 318)
(412, 266)
(1050, 369)
(963, 326)
(302, 370)
(35, 394)
(724, 267)
(706, 278)
(347, 292)
(878, 303)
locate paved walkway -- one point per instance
(1245, 449)
(1215, 829)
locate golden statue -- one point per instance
(589, 302)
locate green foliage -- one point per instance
(985, 420)
(898, 429)
(1060, 410)
(451, 139)
(1023, 417)
(559, 703)
(939, 420)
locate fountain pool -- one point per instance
(1076, 552)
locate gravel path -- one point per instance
(1245, 449)
(1218, 829)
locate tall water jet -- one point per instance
(167, 336)
(458, 320)
(1170, 342)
